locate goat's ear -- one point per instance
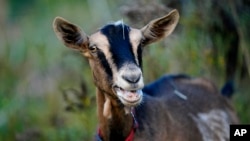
(71, 35)
(160, 28)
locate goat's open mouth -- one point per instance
(129, 97)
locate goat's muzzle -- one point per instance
(128, 85)
(129, 98)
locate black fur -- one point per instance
(105, 64)
(120, 46)
(158, 87)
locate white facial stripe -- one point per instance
(135, 36)
(100, 40)
(102, 43)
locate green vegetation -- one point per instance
(35, 68)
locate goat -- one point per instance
(173, 108)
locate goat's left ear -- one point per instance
(160, 28)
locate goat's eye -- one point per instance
(142, 42)
(93, 48)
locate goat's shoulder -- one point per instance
(203, 109)
(162, 85)
(186, 94)
(167, 83)
(201, 83)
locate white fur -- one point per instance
(213, 125)
(107, 108)
(120, 22)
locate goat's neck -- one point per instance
(114, 123)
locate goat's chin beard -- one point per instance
(130, 98)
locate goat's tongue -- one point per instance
(132, 95)
(129, 95)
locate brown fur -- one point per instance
(174, 120)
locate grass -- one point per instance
(36, 67)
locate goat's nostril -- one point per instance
(132, 78)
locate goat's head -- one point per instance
(115, 53)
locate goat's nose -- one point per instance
(132, 78)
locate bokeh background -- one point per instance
(46, 89)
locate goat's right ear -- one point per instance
(71, 35)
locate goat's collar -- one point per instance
(131, 134)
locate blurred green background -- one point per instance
(46, 89)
